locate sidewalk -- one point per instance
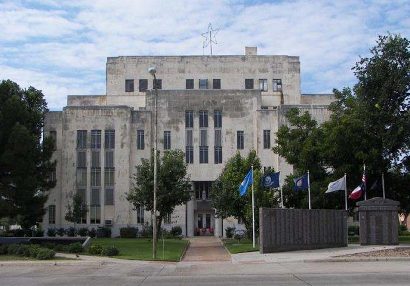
(206, 248)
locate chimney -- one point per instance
(251, 51)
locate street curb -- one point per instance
(359, 259)
(185, 250)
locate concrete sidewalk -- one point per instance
(206, 248)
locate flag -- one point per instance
(271, 180)
(245, 183)
(359, 190)
(301, 183)
(339, 185)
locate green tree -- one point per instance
(25, 165)
(173, 184)
(76, 209)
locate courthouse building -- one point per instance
(208, 106)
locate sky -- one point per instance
(61, 47)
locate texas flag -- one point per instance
(359, 190)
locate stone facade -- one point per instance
(197, 86)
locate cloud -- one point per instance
(62, 45)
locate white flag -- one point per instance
(335, 186)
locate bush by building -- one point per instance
(110, 251)
(128, 232)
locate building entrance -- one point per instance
(205, 224)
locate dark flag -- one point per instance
(271, 180)
(301, 183)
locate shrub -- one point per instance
(128, 232)
(12, 249)
(176, 231)
(71, 231)
(18, 233)
(60, 248)
(44, 253)
(103, 232)
(34, 249)
(95, 249)
(402, 229)
(229, 231)
(353, 230)
(75, 248)
(38, 232)
(110, 251)
(3, 249)
(146, 230)
(51, 232)
(83, 231)
(60, 231)
(92, 233)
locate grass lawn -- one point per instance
(245, 245)
(141, 248)
(402, 239)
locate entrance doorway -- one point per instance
(205, 224)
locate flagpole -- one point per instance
(281, 196)
(365, 189)
(310, 205)
(384, 194)
(345, 192)
(253, 213)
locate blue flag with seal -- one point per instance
(245, 183)
(301, 183)
(271, 180)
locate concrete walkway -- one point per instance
(206, 248)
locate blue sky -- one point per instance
(61, 47)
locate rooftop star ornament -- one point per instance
(209, 38)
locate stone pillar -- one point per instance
(379, 222)
(190, 218)
(218, 227)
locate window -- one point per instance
(239, 140)
(167, 219)
(81, 192)
(203, 137)
(202, 190)
(203, 154)
(157, 83)
(277, 85)
(189, 119)
(218, 155)
(109, 197)
(51, 214)
(140, 140)
(263, 85)
(189, 84)
(95, 139)
(53, 175)
(203, 84)
(249, 83)
(95, 159)
(53, 135)
(189, 138)
(109, 139)
(266, 139)
(109, 177)
(140, 214)
(81, 139)
(217, 118)
(129, 85)
(218, 138)
(203, 118)
(143, 85)
(109, 159)
(95, 177)
(95, 197)
(189, 154)
(95, 214)
(216, 84)
(167, 140)
(81, 177)
(81, 159)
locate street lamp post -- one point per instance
(152, 71)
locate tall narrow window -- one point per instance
(218, 147)
(277, 85)
(249, 83)
(157, 83)
(167, 219)
(109, 177)
(167, 140)
(189, 154)
(189, 84)
(203, 84)
(109, 142)
(140, 140)
(266, 139)
(203, 154)
(109, 197)
(95, 139)
(95, 208)
(109, 159)
(143, 85)
(81, 139)
(263, 85)
(203, 118)
(189, 119)
(95, 177)
(53, 135)
(81, 159)
(217, 119)
(216, 84)
(129, 85)
(239, 140)
(203, 139)
(81, 193)
(140, 214)
(82, 177)
(51, 214)
(95, 159)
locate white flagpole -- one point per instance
(281, 196)
(365, 187)
(310, 205)
(253, 213)
(345, 192)
(384, 193)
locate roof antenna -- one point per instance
(209, 38)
